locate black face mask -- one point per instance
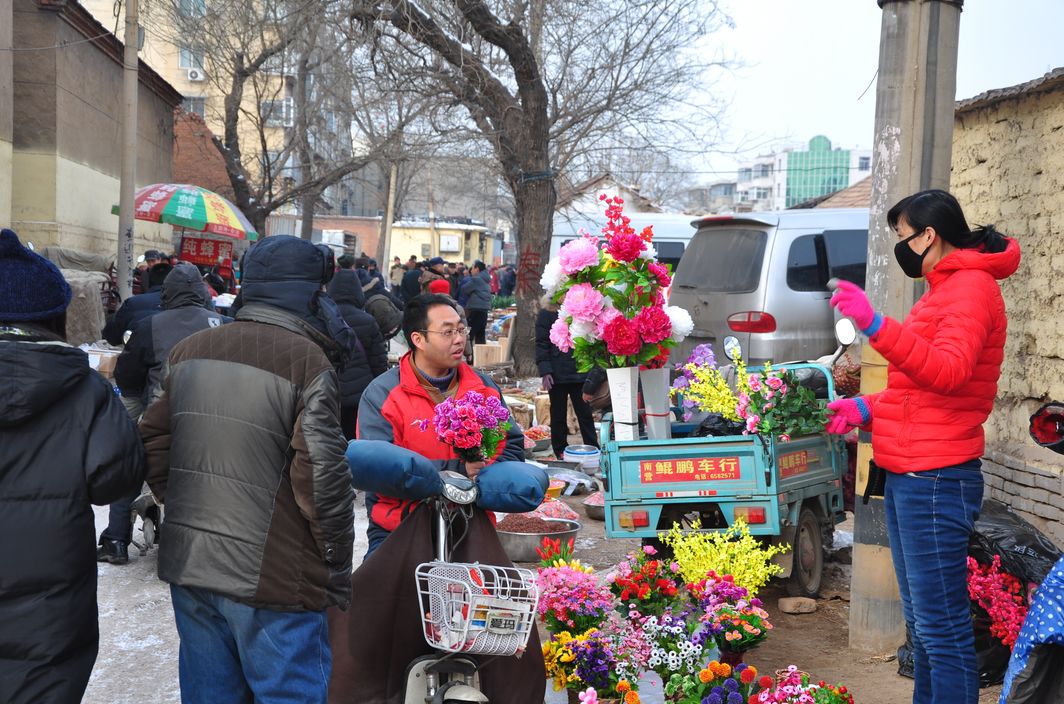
(910, 262)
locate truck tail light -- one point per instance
(751, 514)
(752, 321)
(634, 519)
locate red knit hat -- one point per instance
(440, 286)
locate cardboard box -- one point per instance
(491, 353)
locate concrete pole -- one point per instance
(385, 245)
(130, 76)
(915, 94)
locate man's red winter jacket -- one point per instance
(944, 364)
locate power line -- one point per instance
(63, 45)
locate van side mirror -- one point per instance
(845, 332)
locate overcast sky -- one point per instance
(809, 61)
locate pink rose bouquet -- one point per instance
(611, 294)
(474, 425)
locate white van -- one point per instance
(762, 278)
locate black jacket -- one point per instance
(66, 442)
(372, 359)
(477, 292)
(411, 284)
(132, 311)
(138, 371)
(550, 359)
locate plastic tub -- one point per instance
(587, 456)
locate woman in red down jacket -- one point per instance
(927, 425)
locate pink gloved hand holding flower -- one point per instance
(847, 414)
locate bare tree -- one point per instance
(284, 117)
(548, 82)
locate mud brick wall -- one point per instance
(1008, 169)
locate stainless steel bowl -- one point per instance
(595, 512)
(521, 547)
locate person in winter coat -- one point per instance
(246, 452)
(66, 443)
(476, 291)
(435, 270)
(395, 274)
(411, 284)
(927, 425)
(136, 308)
(434, 369)
(367, 361)
(139, 373)
(563, 383)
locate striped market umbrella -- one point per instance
(193, 208)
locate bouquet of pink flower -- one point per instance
(612, 298)
(474, 425)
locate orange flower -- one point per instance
(705, 676)
(722, 670)
(631, 698)
(623, 686)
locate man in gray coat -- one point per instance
(245, 450)
(476, 290)
(138, 375)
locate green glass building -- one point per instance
(818, 171)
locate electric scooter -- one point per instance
(467, 609)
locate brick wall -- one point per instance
(1008, 169)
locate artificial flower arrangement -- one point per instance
(718, 683)
(768, 402)
(796, 687)
(611, 296)
(733, 551)
(645, 583)
(475, 425)
(1001, 595)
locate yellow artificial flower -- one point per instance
(732, 551)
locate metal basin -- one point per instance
(595, 513)
(521, 547)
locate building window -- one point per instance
(195, 105)
(864, 163)
(191, 57)
(762, 193)
(745, 175)
(192, 8)
(277, 113)
(762, 170)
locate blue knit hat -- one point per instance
(31, 287)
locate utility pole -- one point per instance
(915, 97)
(130, 77)
(385, 244)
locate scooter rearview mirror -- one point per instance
(845, 332)
(732, 349)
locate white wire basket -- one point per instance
(477, 609)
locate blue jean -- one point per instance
(232, 652)
(930, 516)
(119, 520)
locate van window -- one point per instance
(723, 261)
(807, 265)
(847, 253)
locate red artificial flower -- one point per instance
(765, 682)
(654, 324)
(647, 234)
(661, 273)
(747, 676)
(622, 337)
(625, 247)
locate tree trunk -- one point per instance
(306, 208)
(534, 210)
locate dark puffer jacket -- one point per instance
(259, 504)
(65, 442)
(138, 371)
(550, 359)
(477, 291)
(366, 363)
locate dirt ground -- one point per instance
(817, 643)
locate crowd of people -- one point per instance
(258, 538)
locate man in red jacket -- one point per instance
(434, 369)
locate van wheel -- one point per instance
(808, 548)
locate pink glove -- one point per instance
(548, 382)
(847, 413)
(853, 303)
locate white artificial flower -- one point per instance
(649, 252)
(682, 325)
(552, 277)
(584, 330)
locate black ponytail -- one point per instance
(938, 209)
(986, 237)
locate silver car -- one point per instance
(762, 278)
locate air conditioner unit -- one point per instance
(196, 75)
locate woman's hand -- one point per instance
(847, 414)
(548, 382)
(852, 302)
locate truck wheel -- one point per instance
(808, 551)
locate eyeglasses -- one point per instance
(450, 334)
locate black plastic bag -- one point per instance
(715, 425)
(1025, 552)
(991, 655)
